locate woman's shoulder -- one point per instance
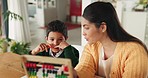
(93, 47)
(131, 47)
(130, 44)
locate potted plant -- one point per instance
(3, 45)
(15, 47)
(142, 5)
(19, 47)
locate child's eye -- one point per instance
(52, 39)
(60, 39)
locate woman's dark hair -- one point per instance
(99, 12)
(57, 26)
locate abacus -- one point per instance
(47, 67)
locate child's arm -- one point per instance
(73, 54)
(40, 48)
(70, 52)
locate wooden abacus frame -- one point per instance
(50, 60)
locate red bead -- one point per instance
(49, 66)
(34, 65)
(66, 68)
(43, 66)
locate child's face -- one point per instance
(54, 39)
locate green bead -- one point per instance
(43, 75)
(46, 74)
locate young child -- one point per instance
(56, 45)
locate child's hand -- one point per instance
(62, 45)
(41, 47)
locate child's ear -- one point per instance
(66, 38)
(46, 38)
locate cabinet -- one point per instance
(135, 23)
(146, 32)
(48, 10)
(31, 8)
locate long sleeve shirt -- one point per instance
(130, 60)
(68, 52)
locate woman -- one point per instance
(111, 52)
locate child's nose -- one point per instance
(56, 42)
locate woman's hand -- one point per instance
(41, 47)
(75, 74)
(98, 76)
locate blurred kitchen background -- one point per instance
(133, 15)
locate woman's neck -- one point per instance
(109, 47)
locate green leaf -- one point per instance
(12, 14)
(21, 48)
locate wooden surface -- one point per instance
(11, 65)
